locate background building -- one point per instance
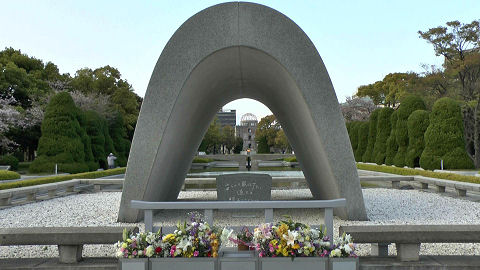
(246, 131)
(227, 117)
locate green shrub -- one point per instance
(60, 178)
(118, 133)
(352, 129)
(201, 160)
(290, 159)
(9, 160)
(372, 135)
(408, 105)
(417, 125)
(8, 175)
(263, 146)
(63, 140)
(444, 138)
(383, 132)
(362, 140)
(426, 173)
(392, 145)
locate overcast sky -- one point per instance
(359, 41)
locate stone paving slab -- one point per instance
(425, 262)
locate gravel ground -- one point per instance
(384, 206)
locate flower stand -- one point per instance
(133, 264)
(231, 259)
(349, 263)
(202, 263)
(286, 263)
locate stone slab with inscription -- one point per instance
(244, 187)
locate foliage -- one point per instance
(383, 132)
(417, 124)
(119, 136)
(101, 142)
(357, 108)
(60, 178)
(9, 160)
(266, 133)
(362, 135)
(281, 141)
(409, 104)
(392, 145)
(212, 138)
(290, 159)
(390, 90)
(97, 102)
(426, 173)
(444, 138)
(459, 44)
(372, 135)
(107, 81)
(352, 129)
(238, 145)
(8, 175)
(202, 160)
(63, 139)
(228, 137)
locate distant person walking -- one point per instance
(111, 161)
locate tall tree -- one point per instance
(459, 44)
(357, 108)
(228, 138)
(267, 130)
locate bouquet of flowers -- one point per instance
(196, 239)
(244, 239)
(343, 247)
(139, 245)
(290, 239)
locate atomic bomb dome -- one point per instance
(247, 119)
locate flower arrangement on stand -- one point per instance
(196, 239)
(290, 239)
(343, 247)
(139, 245)
(244, 239)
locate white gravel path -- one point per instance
(384, 206)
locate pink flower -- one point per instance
(172, 250)
(195, 253)
(134, 253)
(260, 254)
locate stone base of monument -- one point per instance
(183, 263)
(343, 263)
(133, 264)
(317, 263)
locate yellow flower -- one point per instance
(168, 237)
(296, 246)
(274, 242)
(285, 252)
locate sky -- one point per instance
(359, 41)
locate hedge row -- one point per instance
(411, 136)
(426, 173)
(290, 159)
(8, 175)
(202, 160)
(60, 178)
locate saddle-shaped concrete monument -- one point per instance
(231, 51)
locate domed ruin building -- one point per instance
(246, 131)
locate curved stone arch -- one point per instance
(231, 51)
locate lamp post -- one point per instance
(249, 165)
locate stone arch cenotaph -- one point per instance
(226, 52)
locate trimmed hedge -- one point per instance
(372, 135)
(408, 171)
(444, 138)
(63, 141)
(9, 160)
(8, 175)
(362, 140)
(408, 105)
(383, 132)
(202, 160)
(60, 178)
(290, 159)
(417, 124)
(392, 145)
(118, 133)
(352, 129)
